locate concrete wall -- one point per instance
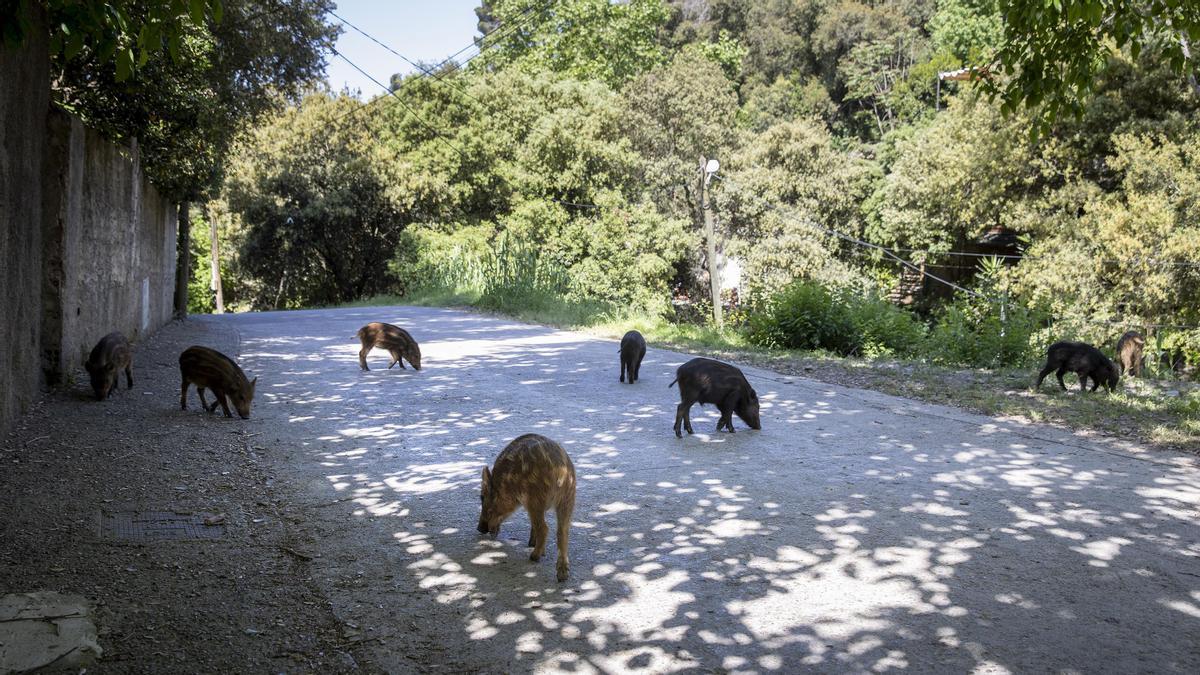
(24, 99)
(116, 238)
(87, 244)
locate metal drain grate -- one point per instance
(157, 526)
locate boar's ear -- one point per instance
(487, 479)
(753, 395)
(252, 383)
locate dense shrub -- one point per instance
(987, 329)
(806, 315)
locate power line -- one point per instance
(436, 132)
(503, 33)
(440, 78)
(1010, 256)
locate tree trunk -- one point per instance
(183, 261)
(216, 259)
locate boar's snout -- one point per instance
(103, 379)
(749, 412)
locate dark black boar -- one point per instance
(109, 357)
(1129, 353)
(708, 381)
(633, 350)
(209, 368)
(398, 343)
(1081, 358)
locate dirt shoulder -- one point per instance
(236, 599)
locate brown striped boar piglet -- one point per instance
(534, 472)
(708, 381)
(210, 369)
(394, 339)
(109, 357)
(1129, 353)
(633, 350)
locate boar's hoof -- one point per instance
(534, 556)
(563, 571)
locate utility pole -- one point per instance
(216, 261)
(708, 167)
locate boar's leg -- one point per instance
(362, 357)
(683, 415)
(398, 358)
(562, 520)
(537, 516)
(623, 370)
(1062, 370)
(727, 407)
(129, 375)
(1095, 383)
(203, 402)
(1042, 375)
(183, 395)
(221, 398)
(637, 367)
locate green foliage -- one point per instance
(806, 315)
(585, 39)
(954, 179)
(987, 329)
(785, 189)
(430, 260)
(970, 30)
(319, 203)
(124, 35)
(197, 84)
(1053, 51)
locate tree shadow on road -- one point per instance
(846, 536)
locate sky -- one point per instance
(422, 30)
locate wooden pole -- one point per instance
(216, 260)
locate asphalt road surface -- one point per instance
(855, 532)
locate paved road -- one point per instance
(855, 532)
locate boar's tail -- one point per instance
(672, 383)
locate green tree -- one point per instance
(1127, 256)
(123, 34)
(191, 99)
(785, 189)
(955, 179)
(587, 39)
(320, 204)
(1052, 51)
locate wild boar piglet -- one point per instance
(1129, 353)
(535, 472)
(397, 341)
(210, 369)
(109, 357)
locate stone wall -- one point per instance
(24, 100)
(87, 244)
(116, 238)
